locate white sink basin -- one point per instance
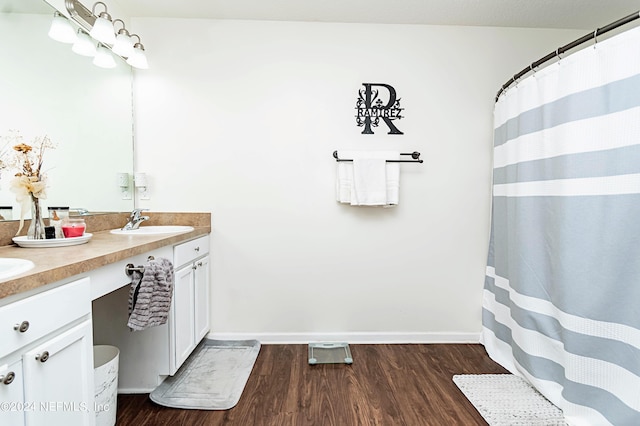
(155, 230)
(10, 267)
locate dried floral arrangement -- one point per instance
(29, 181)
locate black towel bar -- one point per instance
(415, 155)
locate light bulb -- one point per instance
(84, 45)
(138, 58)
(104, 58)
(61, 29)
(103, 29)
(124, 44)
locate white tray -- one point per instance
(55, 242)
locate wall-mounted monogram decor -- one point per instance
(372, 108)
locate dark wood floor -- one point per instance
(386, 385)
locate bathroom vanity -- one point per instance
(75, 297)
(148, 356)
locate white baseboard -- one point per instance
(354, 338)
(130, 391)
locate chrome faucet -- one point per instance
(135, 220)
(79, 211)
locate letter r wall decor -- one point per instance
(371, 108)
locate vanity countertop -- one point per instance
(104, 248)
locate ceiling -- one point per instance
(570, 14)
(575, 14)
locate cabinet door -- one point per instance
(183, 335)
(58, 379)
(11, 397)
(201, 315)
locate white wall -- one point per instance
(240, 118)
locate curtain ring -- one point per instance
(558, 54)
(595, 38)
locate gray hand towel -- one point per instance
(150, 295)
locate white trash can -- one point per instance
(105, 376)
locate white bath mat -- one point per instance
(508, 400)
(213, 377)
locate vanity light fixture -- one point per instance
(124, 43)
(103, 58)
(61, 29)
(102, 29)
(84, 44)
(138, 58)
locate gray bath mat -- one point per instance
(213, 377)
(508, 400)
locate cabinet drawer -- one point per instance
(43, 313)
(186, 252)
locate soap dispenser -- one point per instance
(56, 216)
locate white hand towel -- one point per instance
(344, 182)
(393, 180)
(368, 180)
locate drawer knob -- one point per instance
(8, 378)
(22, 327)
(43, 357)
(197, 249)
(200, 264)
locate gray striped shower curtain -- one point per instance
(561, 301)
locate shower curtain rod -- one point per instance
(567, 47)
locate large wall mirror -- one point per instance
(46, 89)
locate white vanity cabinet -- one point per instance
(147, 357)
(189, 319)
(46, 360)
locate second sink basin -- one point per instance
(10, 267)
(155, 230)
